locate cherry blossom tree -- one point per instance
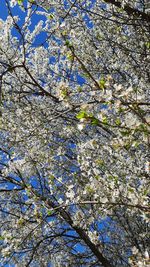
(74, 148)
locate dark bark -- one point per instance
(130, 10)
(82, 234)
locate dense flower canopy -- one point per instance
(74, 128)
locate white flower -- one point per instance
(19, 111)
(72, 33)
(70, 194)
(63, 24)
(1, 24)
(6, 251)
(118, 87)
(134, 250)
(140, 263)
(80, 126)
(147, 167)
(96, 171)
(104, 199)
(131, 120)
(13, 3)
(146, 254)
(60, 201)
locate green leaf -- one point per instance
(68, 44)
(79, 89)
(1, 238)
(64, 92)
(70, 57)
(118, 121)
(146, 191)
(127, 146)
(20, 2)
(102, 83)
(124, 133)
(49, 212)
(100, 162)
(95, 121)
(52, 177)
(85, 75)
(51, 16)
(147, 45)
(81, 115)
(131, 190)
(105, 120)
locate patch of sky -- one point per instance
(33, 181)
(3, 10)
(79, 248)
(104, 223)
(72, 145)
(66, 4)
(87, 21)
(3, 158)
(80, 79)
(7, 265)
(14, 177)
(104, 106)
(74, 168)
(9, 185)
(59, 139)
(40, 40)
(52, 60)
(102, 5)
(60, 158)
(69, 153)
(104, 226)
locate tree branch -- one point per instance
(130, 10)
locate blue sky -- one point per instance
(3, 11)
